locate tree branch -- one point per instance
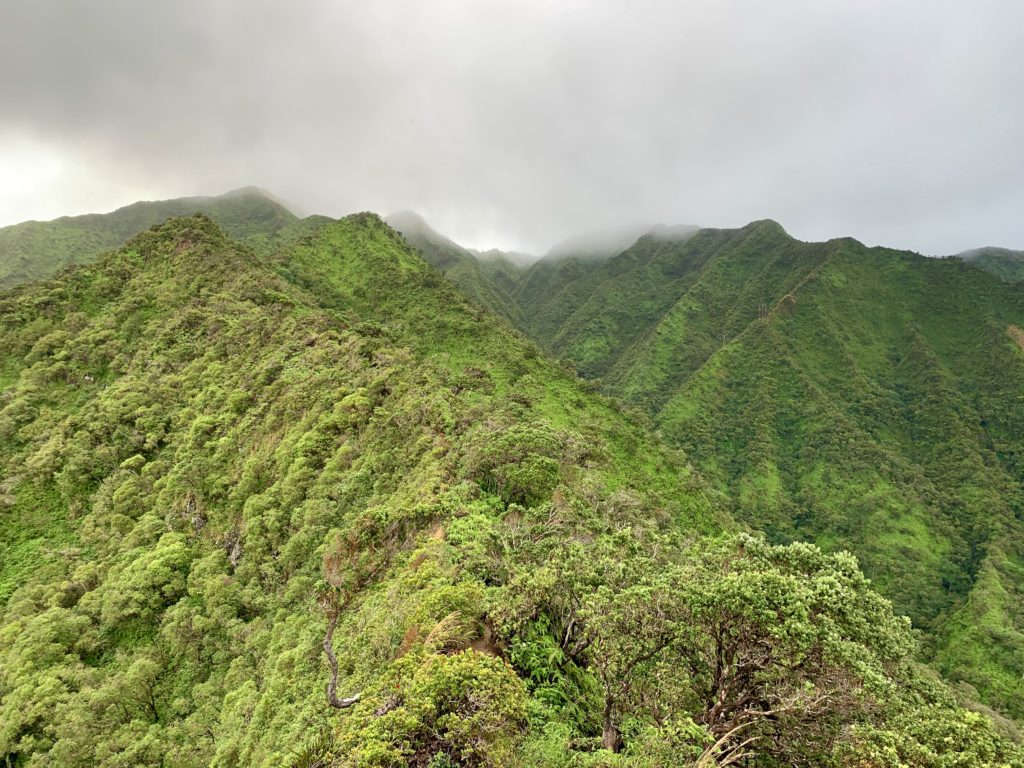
(332, 660)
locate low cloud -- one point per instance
(519, 124)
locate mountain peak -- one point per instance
(600, 244)
(194, 245)
(34, 250)
(673, 231)
(407, 218)
(420, 234)
(1004, 263)
(250, 190)
(767, 226)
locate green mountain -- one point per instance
(1001, 262)
(862, 398)
(303, 504)
(600, 244)
(35, 250)
(486, 279)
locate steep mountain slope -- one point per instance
(1001, 262)
(184, 430)
(601, 313)
(34, 250)
(865, 399)
(487, 281)
(558, 285)
(542, 282)
(877, 408)
(534, 295)
(598, 245)
(234, 479)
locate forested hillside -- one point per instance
(305, 505)
(1001, 262)
(488, 281)
(38, 249)
(864, 399)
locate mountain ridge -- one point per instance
(239, 476)
(34, 250)
(1004, 263)
(192, 402)
(675, 328)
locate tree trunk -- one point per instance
(611, 738)
(332, 684)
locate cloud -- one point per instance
(521, 123)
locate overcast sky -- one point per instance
(516, 124)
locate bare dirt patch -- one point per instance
(1017, 334)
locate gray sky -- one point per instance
(516, 124)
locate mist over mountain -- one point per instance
(896, 123)
(514, 257)
(600, 244)
(1002, 262)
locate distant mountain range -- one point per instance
(38, 249)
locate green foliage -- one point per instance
(787, 643)
(864, 399)
(923, 729)
(35, 250)
(224, 458)
(486, 281)
(1001, 262)
(187, 432)
(465, 709)
(984, 641)
(521, 464)
(33, 532)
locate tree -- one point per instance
(776, 647)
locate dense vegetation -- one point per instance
(238, 477)
(1001, 262)
(865, 399)
(486, 280)
(38, 249)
